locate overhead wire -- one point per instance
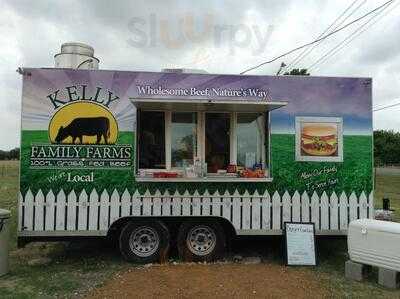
(354, 37)
(386, 107)
(357, 32)
(317, 40)
(308, 50)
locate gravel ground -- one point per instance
(220, 280)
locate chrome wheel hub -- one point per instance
(144, 241)
(201, 240)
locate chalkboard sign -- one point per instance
(300, 244)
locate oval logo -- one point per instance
(83, 123)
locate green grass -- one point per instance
(109, 179)
(74, 268)
(354, 174)
(9, 172)
(332, 253)
(388, 185)
(77, 268)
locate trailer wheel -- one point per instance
(144, 241)
(201, 241)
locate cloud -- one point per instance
(32, 33)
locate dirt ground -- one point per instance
(212, 281)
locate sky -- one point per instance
(223, 37)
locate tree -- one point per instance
(10, 155)
(14, 154)
(298, 72)
(386, 147)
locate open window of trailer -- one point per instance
(203, 140)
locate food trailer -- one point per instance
(192, 158)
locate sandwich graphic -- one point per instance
(319, 139)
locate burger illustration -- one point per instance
(319, 139)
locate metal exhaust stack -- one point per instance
(76, 56)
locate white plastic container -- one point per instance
(375, 243)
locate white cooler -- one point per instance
(375, 243)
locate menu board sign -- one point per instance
(300, 244)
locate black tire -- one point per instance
(200, 241)
(144, 242)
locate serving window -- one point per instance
(221, 143)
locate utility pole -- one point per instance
(280, 69)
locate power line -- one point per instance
(317, 40)
(381, 106)
(307, 51)
(354, 37)
(340, 23)
(302, 54)
(386, 107)
(338, 47)
(349, 38)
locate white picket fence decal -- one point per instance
(97, 211)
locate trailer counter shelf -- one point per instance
(157, 157)
(222, 133)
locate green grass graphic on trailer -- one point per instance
(354, 174)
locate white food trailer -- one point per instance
(205, 157)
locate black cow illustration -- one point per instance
(85, 126)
